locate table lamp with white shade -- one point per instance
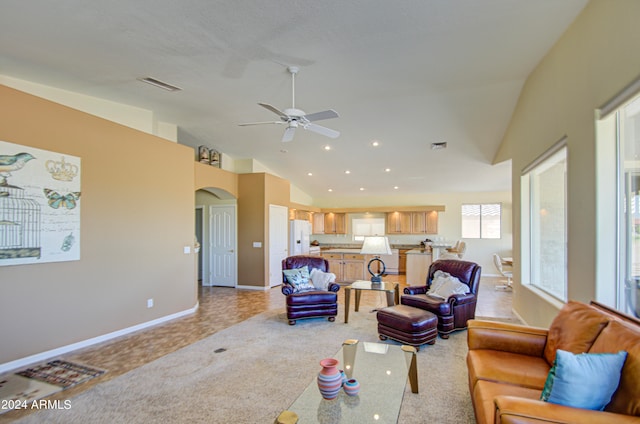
(376, 245)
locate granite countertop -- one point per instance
(352, 247)
(346, 250)
(419, 252)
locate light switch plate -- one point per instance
(187, 250)
(257, 244)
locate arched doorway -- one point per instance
(216, 231)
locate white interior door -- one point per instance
(278, 246)
(223, 270)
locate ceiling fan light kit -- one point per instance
(295, 118)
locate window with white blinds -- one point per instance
(481, 221)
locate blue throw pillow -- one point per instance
(585, 380)
(298, 278)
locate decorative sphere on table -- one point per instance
(329, 378)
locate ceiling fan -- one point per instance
(295, 118)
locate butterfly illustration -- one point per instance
(56, 199)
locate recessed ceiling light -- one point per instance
(330, 189)
(375, 143)
(347, 172)
(310, 174)
(159, 84)
(396, 187)
(439, 145)
(387, 170)
(327, 147)
(361, 188)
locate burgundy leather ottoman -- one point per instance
(408, 325)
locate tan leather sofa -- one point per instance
(508, 366)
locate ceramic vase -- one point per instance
(329, 378)
(351, 387)
(344, 377)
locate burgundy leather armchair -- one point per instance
(309, 303)
(454, 312)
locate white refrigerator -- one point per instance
(299, 234)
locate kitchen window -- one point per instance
(481, 221)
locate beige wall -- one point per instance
(136, 218)
(257, 192)
(595, 59)
(207, 177)
(251, 228)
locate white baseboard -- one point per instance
(519, 316)
(39, 357)
(263, 288)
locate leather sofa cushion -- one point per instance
(617, 336)
(462, 270)
(312, 298)
(574, 329)
(485, 391)
(293, 262)
(407, 319)
(512, 369)
(422, 301)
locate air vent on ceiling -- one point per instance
(438, 146)
(160, 84)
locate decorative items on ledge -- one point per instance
(210, 156)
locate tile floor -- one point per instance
(222, 307)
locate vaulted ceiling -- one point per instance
(405, 74)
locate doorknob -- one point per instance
(230, 250)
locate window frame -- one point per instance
(480, 226)
(530, 242)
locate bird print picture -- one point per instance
(39, 205)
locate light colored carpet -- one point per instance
(265, 366)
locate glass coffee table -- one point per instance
(392, 290)
(382, 371)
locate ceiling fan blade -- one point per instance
(246, 124)
(288, 134)
(325, 114)
(322, 130)
(274, 110)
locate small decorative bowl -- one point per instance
(351, 387)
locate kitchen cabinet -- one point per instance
(318, 223)
(399, 223)
(424, 222)
(353, 267)
(335, 264)
(335, 223)
(348, 267)
(402, 261)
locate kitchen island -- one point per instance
(418, 262)
(350, 265)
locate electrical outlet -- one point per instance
(149, 303)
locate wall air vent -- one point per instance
(159, 84)
(439, 146)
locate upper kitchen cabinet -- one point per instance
(301, 215)
(399, 223)
(335, 223)
(424, 222)
(318, 223)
